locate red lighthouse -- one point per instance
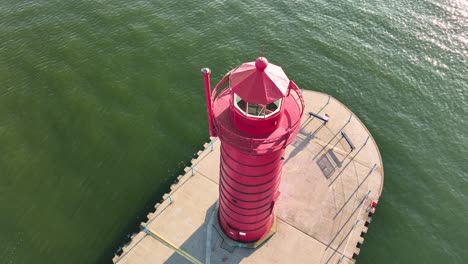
(255, 110)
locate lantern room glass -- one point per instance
(257, 110)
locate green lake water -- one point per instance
(102, 105)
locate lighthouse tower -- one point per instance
(255, 110)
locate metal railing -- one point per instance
(257, 144)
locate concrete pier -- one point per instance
(329, 179)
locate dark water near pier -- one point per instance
(102, 103)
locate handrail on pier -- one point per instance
(351, 145)
(318, 116)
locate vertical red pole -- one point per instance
(209, 108)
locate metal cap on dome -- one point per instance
(261, 63)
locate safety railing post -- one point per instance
(367, 139)
(350, 232)
(355, 224)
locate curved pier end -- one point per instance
(329, 180)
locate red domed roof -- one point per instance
(259, 82)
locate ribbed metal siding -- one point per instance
(248, 190)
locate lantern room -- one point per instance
(258, 91)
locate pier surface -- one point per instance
(326, 188)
